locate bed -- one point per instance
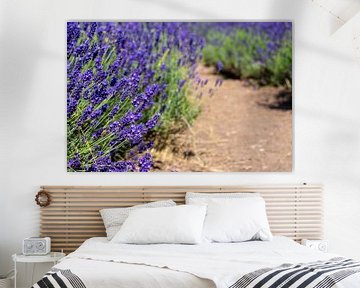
(99, 263)
(295, 211)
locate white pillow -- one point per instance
(203, 198)
(180, 224)
(113, 218)
(236, 220)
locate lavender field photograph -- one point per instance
(179, 96)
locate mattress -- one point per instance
(99, 263)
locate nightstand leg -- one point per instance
(15, 273)
(32, 274)
(26, 272)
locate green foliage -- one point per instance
(181, 105)
(238, 52)
(280, 66)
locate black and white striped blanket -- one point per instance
(57, 278)
(320, 274)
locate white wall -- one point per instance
(33, 98)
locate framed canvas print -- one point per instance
(179, 96)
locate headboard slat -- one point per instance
(73, 216)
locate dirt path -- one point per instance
(233, 133)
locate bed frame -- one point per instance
(73, 215)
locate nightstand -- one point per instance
(320, 245)
(52, 257)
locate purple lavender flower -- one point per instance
(153, 122)
(74, 163)
(145, 163)
(87, 76)
(163, 67)
(219, 66)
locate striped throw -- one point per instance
(57, 278)
(320, 274)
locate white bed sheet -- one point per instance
(100, 263)
(110, 274)
(101, 274)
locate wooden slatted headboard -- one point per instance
(73, 215)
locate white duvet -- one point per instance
(100, 263)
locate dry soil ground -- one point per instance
(236, 131)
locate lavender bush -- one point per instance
(125, 81)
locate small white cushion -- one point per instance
(113, 218)
(204, 198)
(181, 225)
(236, 220)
